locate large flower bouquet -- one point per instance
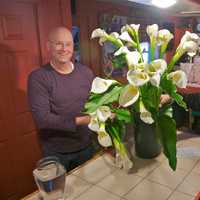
(110, 101)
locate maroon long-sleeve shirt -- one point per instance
(55, 100)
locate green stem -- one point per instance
(163, 49)
(173, 61)
(152, 48)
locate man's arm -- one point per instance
(39, 98)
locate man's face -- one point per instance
(61, 47)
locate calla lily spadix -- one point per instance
(100, 85)
(179, 78)
(103, 113)
(137, 78)
(128, 96)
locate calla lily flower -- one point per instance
(190, 47)
(156, 66)
(121, 50)
(103, 113)
(135, 27)
(126, 37)
(164, 36)
(155, 80)
(132, 58)
(100, 85)
(145, 115)
(128, 96)
(103, 137)
(152, 30)
(189, 37)
(179, 78)
(94, 124)
(115, 35)
(98, 33)
(137, 78)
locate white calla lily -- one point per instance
(179, 78)
(103, 113)
(121, 50)
(155, 80)
(189, 37)
(126, 37)
(156, 66)
(103, 137)
(164, 36)
(115, 35)
(124, 28)
(128, 96)
(190, 47)
(100, 85)
(132, 58)
(152, 30)
(94, 124)
(145, 115)
(137, 78)
(135, 27)
(98, 33)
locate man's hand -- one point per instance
(164, 98)
(83, 120)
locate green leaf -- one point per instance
(105, 98)
(119, 61)
(169, 87)
(151, 97)
(166, 129)
(166, 110)
(123, 115)
(179, 100)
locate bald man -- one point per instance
(57, 92)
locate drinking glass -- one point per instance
(50, 178)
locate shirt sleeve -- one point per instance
(39, 101)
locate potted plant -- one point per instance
(111, 104)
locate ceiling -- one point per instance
(182, 8)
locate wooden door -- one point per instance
(24, 26)
(19, 54)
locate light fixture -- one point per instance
(163, 3)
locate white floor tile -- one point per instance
(119, 182)
(180, 196)
(75, 186)
(148, 190)
(96, 193)
(97, 169)
(166, 176)
(191, 185)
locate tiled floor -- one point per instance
(150, 179)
